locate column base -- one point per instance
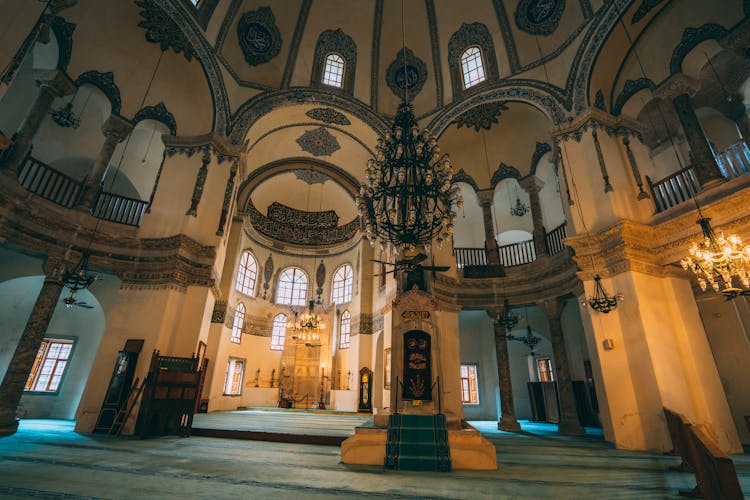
(571, 429)
(509, 425)
(8, 428)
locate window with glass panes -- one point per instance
(49, 365)
(545, 370)
(333, 73)
(292, 289)
(472, 67)
(246, 274)
(278, 333)
(345, 330)
(233, 377)
(341, 291)
(238, 323)
(469, 385)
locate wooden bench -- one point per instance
(715, 475)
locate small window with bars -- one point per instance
(49, 365)
(233, 377)
(469, 385)
(333, 73)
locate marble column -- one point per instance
(679, 89)
(52, 84)
(508, 420)
(486, 198)
(115, 129)
(12, 386)
(532, 185)
(569, 423)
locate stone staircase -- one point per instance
(417, 443)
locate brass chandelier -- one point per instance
(718, 261)
(307, 324)
(408, 197)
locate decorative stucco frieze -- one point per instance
(318, 142)
(482, 116)
(328, 115)
(162, 29)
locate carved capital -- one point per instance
(676, 85)
(116, 128)
(531, 184)
(486, 196)
(738, 39)
(54, 266)
(552, 308)
(54, 81)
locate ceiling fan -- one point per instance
(71, 301)
(410, 264)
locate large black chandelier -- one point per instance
(408, 199)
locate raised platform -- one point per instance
(468, 449)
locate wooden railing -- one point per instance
(674, 189)
(516, 254)
(734, 160)
(715, 475)
(554, 238)
(121, 209)
(45, 181)
(470, 257)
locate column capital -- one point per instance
(676, 85)
(56, 81)
(55, 6)
(531, 183)
(54, 267)
(737, 40)
(486, 196)
(552, 308)
(116, 128)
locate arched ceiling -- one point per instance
(305, 190)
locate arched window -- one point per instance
(341, 292)
(246, 274)
(292, 289)
(278, 332)
(333, 73)
(345, 330)
(239, 320)
(472, 67)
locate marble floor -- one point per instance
(46, 459)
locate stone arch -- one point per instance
(691, 38)
(539, 98)
(158, 113)
(106, 83)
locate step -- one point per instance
(418, 435)
(408, 420)
(421, 449)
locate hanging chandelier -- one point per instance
(520, 209)
(408, 198)
(529, 340)
(306, 325)
(717, 260)
(79, 277)
(601, 301)
(507, 319)
(65, 117)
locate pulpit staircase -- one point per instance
(417, 443)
